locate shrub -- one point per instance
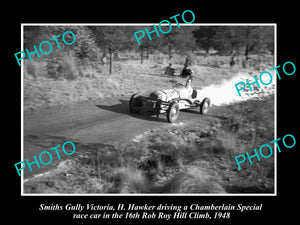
(129, 180)
(193, 180)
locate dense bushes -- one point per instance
(64, 62)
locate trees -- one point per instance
(206, 37)
(179, 39)
(113, 39)
(93, 43)
(243, 39)
(182, 40)
(256, 39)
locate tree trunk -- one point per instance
(147, 53)
(142, 55)
(110, 59)
(103, 56)
(246, 48)
(170, 51)
(206, 52)
(247, 52)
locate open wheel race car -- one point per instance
(170, 101)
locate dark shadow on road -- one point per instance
(209, 114)
(194, 111)
(123, 108)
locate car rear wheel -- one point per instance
(173, 112)
(135, 104)
(204, 106)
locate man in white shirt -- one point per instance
(188, 85)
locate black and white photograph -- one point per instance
(159, 116)
(131, 114)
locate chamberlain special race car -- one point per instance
(170, 101)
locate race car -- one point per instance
(170, 101)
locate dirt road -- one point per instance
(87, 123)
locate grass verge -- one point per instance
(179, 158)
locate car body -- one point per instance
(169, 102)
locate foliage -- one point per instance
(97, 45)
(228, 39)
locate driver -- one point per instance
(188, 85)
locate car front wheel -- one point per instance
(135, 104)
(173, 112)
